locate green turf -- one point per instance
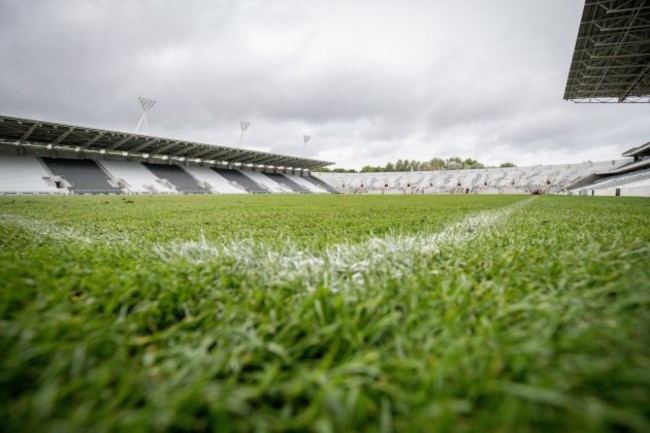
(325, 313)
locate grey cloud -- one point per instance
(371, 81)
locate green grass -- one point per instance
(325, 313)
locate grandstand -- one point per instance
(135, 178)
(39, 157)
(627, 179)
(175, 176)
(239, 178)
(27, 175)
(214, 182)
(512, 180)
(82, 176)
(285, 182)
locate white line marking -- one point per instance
(57, 232)
(339, 266)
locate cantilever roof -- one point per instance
(643, 150)
(611, 61)
(83, 139)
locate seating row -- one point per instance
(33, 175)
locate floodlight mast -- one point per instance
(143, 124)
(244, 125)
(305, 140)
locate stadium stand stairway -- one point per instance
(283, 180)
(321, 183)
(83, 175)
(242, 180)
(306, 184)
(215, 182)
(135, 178)
(182, 180)
(266, 182)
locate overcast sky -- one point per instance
(371, 81)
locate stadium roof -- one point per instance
(639, 151)
(611, 61)
(82, 139)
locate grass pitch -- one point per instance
(325, 313)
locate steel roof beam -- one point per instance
(168, 146)
(619, 66)
(215, 154)
(202, 153)
(263, 159)
(93, 140)
(183, 152)
(63, 136)
(117, 144)
(246, 159)
(273, 160)
(143, 145)
(642, 75)
(603, 45)
(617, 56)
(29, 132)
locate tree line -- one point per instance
(453, 163)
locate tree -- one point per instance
(472, 163)
(401, 165)
(453, 163)
(436, 164)
(507, 164)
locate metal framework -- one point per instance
(611, 61)
(49, 135)
(244, 125)
(143, 124)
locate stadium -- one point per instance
(151, 283)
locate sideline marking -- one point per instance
(339, 266)
(56, 232)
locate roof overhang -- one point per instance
(38, 133)
(611, 60)
(639, 151)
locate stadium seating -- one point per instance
(214, 181)
(321, 184)
(83, 175)
(309, 186)
(32, 175)
(238, 178)
(283, 180)
(266, 182)
(135, 178)
(511, 180)
(631, 184)
(24, 175)
(178, 177)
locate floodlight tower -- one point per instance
(244, 126)
(305, 139)
(143, 125)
